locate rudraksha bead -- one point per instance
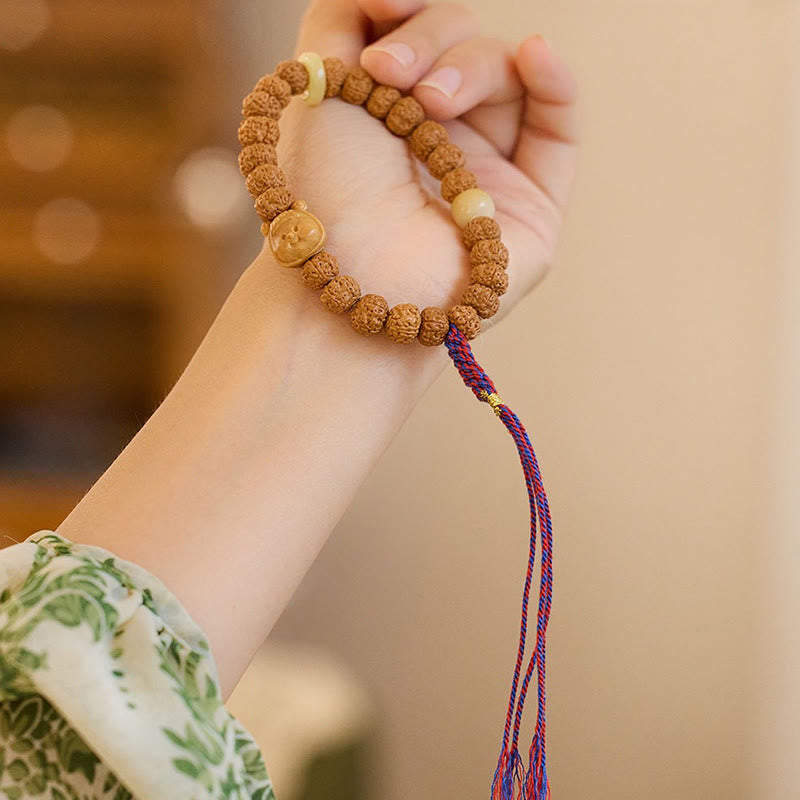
(466, 319)
(443, 158)
(261, 104)
(402, 324)
(456, 181)
(340, 294)
(294, 73)
(369, 314)
(434, 326)
(254, 155)
(259, 129)
(489, 250)
(271, 202)
(482, 299)
(479, 228)
(357, 86)
(491, 275)
(335, 70)
(426, 137)
(277, 87)
(266, 176)
(381, 100)
(405, 115)
(319, 270)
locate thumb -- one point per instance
(335, 28)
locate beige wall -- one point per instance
(652, 375)
(778, 601)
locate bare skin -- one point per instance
(232, 487)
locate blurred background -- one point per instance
(659, 379)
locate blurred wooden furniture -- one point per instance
(91, 342)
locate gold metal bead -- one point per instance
(470, 204)
(315, 91)
(493, 400)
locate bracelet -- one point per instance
(297, 237)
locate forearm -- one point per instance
(232, 487)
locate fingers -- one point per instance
(406, 54)
(342, 28)
(385, 15)
(333, 28)
(478, 70)
(436, 51)
(547, 147)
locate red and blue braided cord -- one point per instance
(511, 781)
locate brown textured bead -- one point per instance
(491, 275)
(357, 86)
(320, 269)
(340, 294)
(271, 202)
(426, 137)
(267, 176)
(259, 129)
(445, 157)
(369, 314)
(405, 115)
(294, 73)
(335, 70)
(480, 228)
(402, 324)
(381, 100)
(456, 181)
(434, 326)
(254, 155)
(277, 87)
(261, 104)
(466, 319)
(489, 250)
(482, 299)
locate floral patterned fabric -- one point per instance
(108, 689)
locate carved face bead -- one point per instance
(294, 236)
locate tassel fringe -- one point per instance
(512, 781)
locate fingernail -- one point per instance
(546, 41)
(446, 79)
(400, 52)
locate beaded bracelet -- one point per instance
(296, 237)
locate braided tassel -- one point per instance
(509, 782)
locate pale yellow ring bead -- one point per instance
(315, 91)
(471, 203)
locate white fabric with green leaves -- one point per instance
(108, 689)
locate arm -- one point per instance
(230, 490)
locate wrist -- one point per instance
(305, 344)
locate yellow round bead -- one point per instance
(469, 204)
(315, 91)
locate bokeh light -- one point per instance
(209, 188)
(66, 230)
(22, 22)
(39, 138)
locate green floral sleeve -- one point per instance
(108, 689)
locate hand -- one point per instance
(515, 116)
